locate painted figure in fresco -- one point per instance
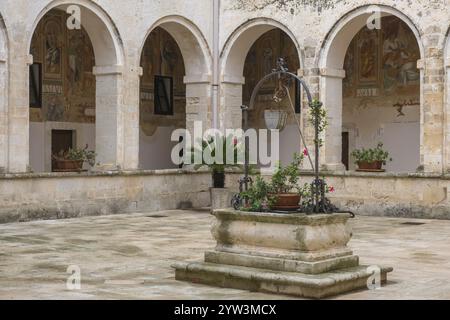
(55, 110)
(148, 63)
(251, 73)
(368, 53)
(148, 59)
(53, 52)
(349, 64)
(169, 58)
(75, 61)
(267, 57)
(399, 58)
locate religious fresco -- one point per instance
(367, 50)
(68, 85)
(53, 47)
(382, 62)
(400, 55)
(260, 61)
(381, 91)
(161, 56)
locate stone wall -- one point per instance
(393, 195)
(25, 197)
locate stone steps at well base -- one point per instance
(288, 283)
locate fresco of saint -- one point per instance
(52, 49)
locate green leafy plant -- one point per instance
(262, 195)
(76, 154)
(218, 164)
(377, 154)
(318, 114)
(257, 196)
(307, 191)
(285, 179)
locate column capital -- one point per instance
(137, 70)
(233, 79)
(420, 64)
(332, 73)
(447, 63)
(107, 70)
(29, 59)
(2, 57)
(197, 79)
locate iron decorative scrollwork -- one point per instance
(317, 202)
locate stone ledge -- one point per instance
(93, 174)
(287, 283)
(381, 175)
(278, 264)
(268, 217)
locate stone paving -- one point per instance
(129, 257)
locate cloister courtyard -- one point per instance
(102, 103)
(130, 257)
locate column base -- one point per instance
(333, 167)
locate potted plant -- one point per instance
(220, 147)
(73, 159)
(284, 189)
(210, 146)
(282, 192)
(257, 199)
(371, 160)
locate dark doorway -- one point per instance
(62, 141)
(345, 150)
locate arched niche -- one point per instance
(108, 72)
(331, 64)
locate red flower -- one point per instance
(331, 189)
(305, 152)
(235, 141)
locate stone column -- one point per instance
(432, 115)
(130, 110)
(18, 112)
(110, 116)
(3, 113)
(230, 113)
(331, 96)
(198, 101)
(447, 118)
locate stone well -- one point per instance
(293, 254)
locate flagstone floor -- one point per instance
(129, 257)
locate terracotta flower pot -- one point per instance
(69, 165)
(376, 165)
(286, 201)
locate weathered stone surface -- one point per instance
(294, 237)
(133, 254)
(260, 280)
(220, 198)
(280, 264)
(293, 254)
(418, 195)
(25, 197)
